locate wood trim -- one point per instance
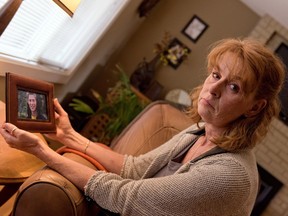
(7, 13)
(63, 6)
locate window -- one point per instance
(8, 9)
(41, 33)
(2, 3)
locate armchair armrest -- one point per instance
(47, 192)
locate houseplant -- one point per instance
(116, 110)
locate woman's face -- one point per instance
(222, 99)
(32, 102)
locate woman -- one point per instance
(207, 169)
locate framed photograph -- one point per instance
(176, 53)
(195, 28)
(29, 104)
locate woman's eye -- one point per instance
(215, 75)
(234, 87)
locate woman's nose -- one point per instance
(216, 88)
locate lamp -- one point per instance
(69, 6)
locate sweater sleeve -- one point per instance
(209, 187)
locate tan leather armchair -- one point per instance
(48, 193)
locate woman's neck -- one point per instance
(212, 131)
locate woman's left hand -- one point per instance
(20, 139)
(63, 125)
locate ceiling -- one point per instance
(275, 8)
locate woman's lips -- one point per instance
(207, 102)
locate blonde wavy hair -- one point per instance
(263, 74)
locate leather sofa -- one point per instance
(46, 192)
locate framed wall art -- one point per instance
(29, 104)
(195, 28)
(176, 53)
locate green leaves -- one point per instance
(81, 106)
(121, 104)
(122, 110)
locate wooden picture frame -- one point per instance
(176, 53)
(25, 96)
(195, 28)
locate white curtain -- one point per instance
(42, 32)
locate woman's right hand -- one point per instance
(63, 125)
(22, 140)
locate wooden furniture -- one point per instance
(15, 167)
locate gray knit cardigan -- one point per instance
(221, 184)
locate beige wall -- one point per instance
(2, 88)
(226, 18)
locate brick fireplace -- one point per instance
(272, 152)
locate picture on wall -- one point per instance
(195, 28)
(176, 53)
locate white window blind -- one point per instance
(2, 3)
(41, 32)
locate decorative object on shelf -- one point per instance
(146, 6)
(175, 53)
(168, 51)
(195, 28)
(143, 78)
